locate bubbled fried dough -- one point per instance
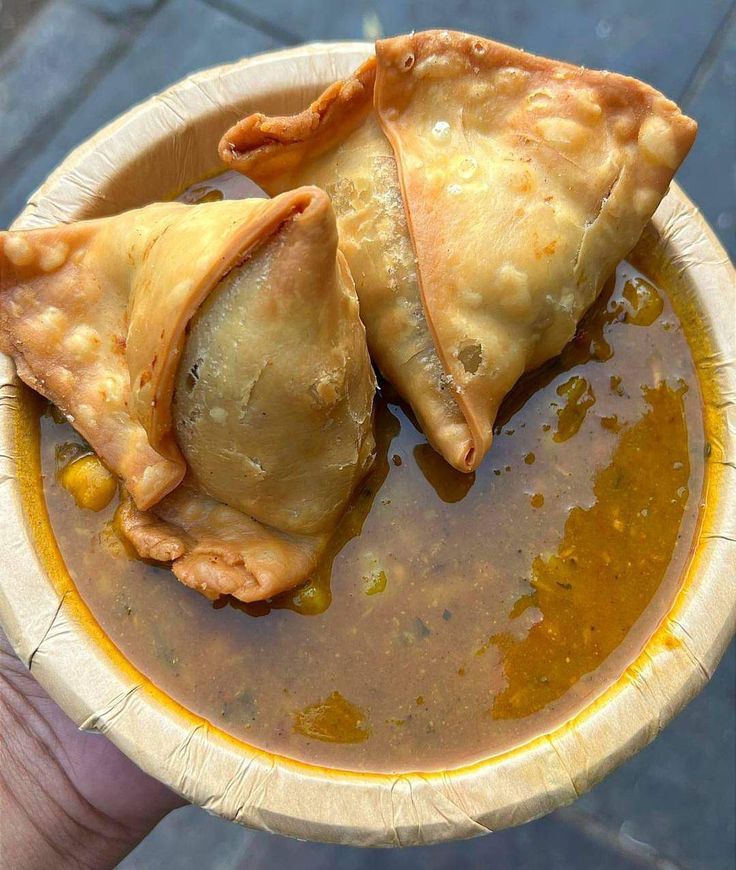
(523, 182)
(98, 317)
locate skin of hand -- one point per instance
(67, 798)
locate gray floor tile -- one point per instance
(183, 36)
(709, 174)
(15, 14)
(660, 41)
(191, 839)
(546, 844)
(679, 794)
(54, 55)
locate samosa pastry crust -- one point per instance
(63, 321)
(522, 181)
(217, 550)
(274, 391)
(221, 341)
(338, 144)
(94, 315)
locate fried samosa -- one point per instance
(213, 357)
(483, 196)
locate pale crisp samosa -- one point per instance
(483, 196)
(213, 357)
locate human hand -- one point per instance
(67, 798)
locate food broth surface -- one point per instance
(456, 616)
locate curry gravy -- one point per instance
(455, 616)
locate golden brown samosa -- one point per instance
(213, 357)
(483, 196)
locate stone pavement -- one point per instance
(69, 66)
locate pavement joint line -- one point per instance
(117, 21)
(252, 19)
(708, 58)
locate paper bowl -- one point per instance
(154, 151)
